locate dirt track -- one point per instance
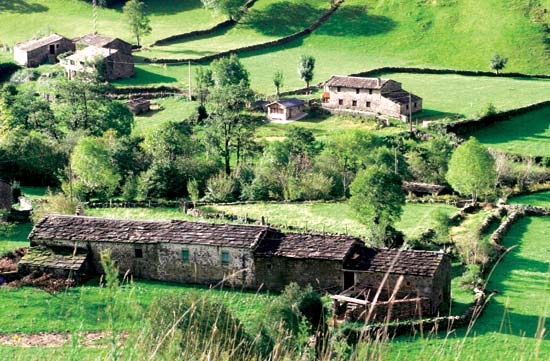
(55, 339)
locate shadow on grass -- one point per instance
(350, 21)
(432, 114)
(146, 77)
(21, 7)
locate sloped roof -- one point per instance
(405, 262)
(45, 257)
(306, 246)
(401, 97)
(38, 43)
(288, 102)
(356, 82)
(78, 228)
(90, 53)
(94, 40)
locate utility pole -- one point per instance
(410, 114)
(190, 97)
(94, 8)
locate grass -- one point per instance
(267, 20)
(15, 238)
(471, 245)
(73, 18)
(334, 217)
(83, 308)
(526, 134)
(172, 109)
(34, 192)
(541, 199)
(511, 317)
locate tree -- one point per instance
(204, 81)
(278, 78)
(234, 9)
(498, 63)
(138, 21)
(229, 71)
(92, 164)
(305, 68)
(377, 198)
(472, 169)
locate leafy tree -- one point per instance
(231, 8)
(472, 169)
(498, 63)
(203, 81)
(229, 71)
(92, 164)
(278, 78)
(428, 161)
(377, 198)
(228, 131)
(305, 68)
(54, 203)
(138, 21)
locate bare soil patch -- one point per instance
(56, 339)
(8, 263)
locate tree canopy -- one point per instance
(138, 21)
(472, 169)
(305, 68)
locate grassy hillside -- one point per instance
(527, 134)
(373, 33)
(22, 19)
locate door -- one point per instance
(349, 280)
(52, 49)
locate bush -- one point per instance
(220, 188)
(57, 203)
(310, 186)
(24, 75)
(472, 276)
(130, 188)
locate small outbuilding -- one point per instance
(139, 106)
(113, 63)
(286, 110)
(32, 53)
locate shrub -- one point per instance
(220, 188)
(24, 75)
(310, 186)
(471, 276)
(130, 188)
(57, 203)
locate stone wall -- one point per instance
(411, 286)
(277, 272)
(401, 309)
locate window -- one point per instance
(370, 91)
(185, 255)
(339, 89)
(357, 91)
(138, 252)
(368, 104)
(354, 103)
(415, 105)
(225, 257)
(340, 101)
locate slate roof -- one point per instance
(90, 229)
(90, 53)
(38, 43)
(44, 257)
(288, 102)
(306, 246)
(401, 97)
(356, 82)
(94, 40)
(406, 262)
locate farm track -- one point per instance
(91, 339)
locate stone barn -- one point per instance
(286, 110)
(112, 63)
(369, 96)
(248, 256)
(32, 53)
(103, 42)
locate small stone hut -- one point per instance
(138, 106)
(369, 96)
(288, 109)
(32, 53)
(248, 256)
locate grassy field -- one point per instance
(73, 18)
(267, 20)
(507, 328)
(541, 199)
(335, 217)
(527, 134)
(15, 238)
(172, 109)
(366, 34)
(83, 308)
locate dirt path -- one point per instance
(55, 339)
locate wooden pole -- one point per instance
(190, 97)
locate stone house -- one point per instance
(289, 109)
(248, 256)
(114, 55)
(32, 53)
(369, 96)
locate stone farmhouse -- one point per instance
(114, 54)
(369, 96)
(244, 256)
(32, 53)
(289, 109)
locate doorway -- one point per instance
(349, 280)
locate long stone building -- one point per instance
(255, 257)
(369, 96)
